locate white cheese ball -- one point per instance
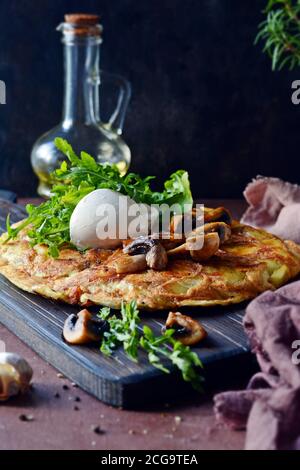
(102, 218)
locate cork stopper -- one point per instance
(82, 19)
(81, 25)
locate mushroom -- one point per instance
(215, 233)
(15, 375)
(187, 330)
(181, 223)
(222, 229)
(84, 328)
(156, 255)
(220, 214)
(140, 245)
(210, 246)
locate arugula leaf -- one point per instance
(67, 150)
(49, 222)
(124, 332)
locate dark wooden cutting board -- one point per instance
(117, 380)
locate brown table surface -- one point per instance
(64, 417)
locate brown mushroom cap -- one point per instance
(157, 257)
(140, 245)
(84, 328)
(222, 229)
(187, 330)
(155, 254)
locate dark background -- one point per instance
(204, 98)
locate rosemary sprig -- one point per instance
(124, 331)
(280, 32)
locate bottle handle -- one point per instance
(117, 118)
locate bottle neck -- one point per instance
(81, 100)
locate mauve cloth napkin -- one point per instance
(275, 206)
(269, 408)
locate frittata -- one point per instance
(250, 262)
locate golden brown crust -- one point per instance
(251, 262)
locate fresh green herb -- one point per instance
(124, 331)
(165, 346)
(49, 222)
(11, 232)
(280, 32)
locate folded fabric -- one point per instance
(270, 407)
(275, 206)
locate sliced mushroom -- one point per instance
(155, 254)
(220, 214)
(84, 328)
(222, 229)
(200, 217)
(166, 239)
(215, 234)
(140, 245)
(126, 264)
(187, 330)
(157, 257)
(211, 244)
(187, 222)
(15, 375)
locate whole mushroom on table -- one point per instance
(15, 375)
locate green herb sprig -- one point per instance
(280, 32)
(124, 331)
(49, 222)
(181, 356)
